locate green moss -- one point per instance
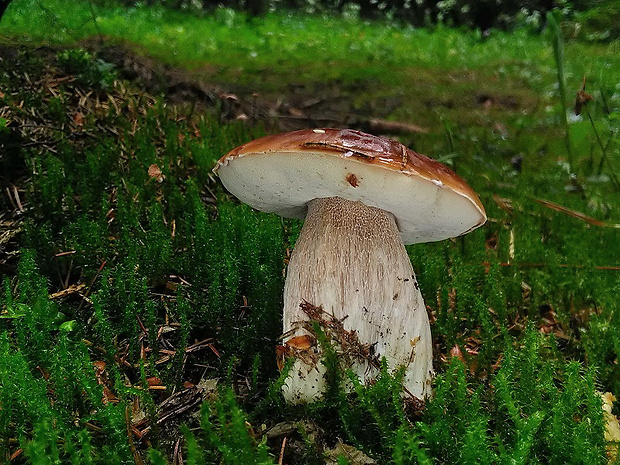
(224, 436)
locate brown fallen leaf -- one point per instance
(298, 346)
(78, 119)
(582, 98)
(101, 376)
(301, 342)
(456, 352)
(155, 173)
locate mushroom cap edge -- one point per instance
(354, 152)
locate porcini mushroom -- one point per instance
(363, 197)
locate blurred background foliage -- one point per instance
(589, 19)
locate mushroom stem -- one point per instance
(350, 260)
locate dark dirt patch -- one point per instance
(299, 105)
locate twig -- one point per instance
(394, 127)
(134, 451)
(16, 454)
(95, 428)
(195, 398)
(92, 283)
(10, 196)
(17, 199)
(62, 254)
(74, 288)
(44, 143)
(558, 53)
(200, 345)
(604, 157)
(575, 214)
(561, 265)
(281, 457)
(177, 458)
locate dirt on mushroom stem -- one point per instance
(351, 261)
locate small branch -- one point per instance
(281, 457)
(561, 265)
(604, 157)
(558, 53)
(92, 283)
(575, 214)
(375, 125)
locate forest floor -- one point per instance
(135, 287)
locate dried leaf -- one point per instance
(301, 342)
(295, 112)
(153, 381)
(582, 98)
(78, 119)
(456, 352)
(102, 379)
(155, 173)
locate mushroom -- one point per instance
(363, 197)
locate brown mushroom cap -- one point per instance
(283, 172)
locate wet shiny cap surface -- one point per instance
(281, 173)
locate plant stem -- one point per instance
(604, 158)
(558, 53)
(93, 15)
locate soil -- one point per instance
(357, 105)
(298, 106)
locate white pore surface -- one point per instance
(350, 260)
(284, 183)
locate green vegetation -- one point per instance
(134, 287)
